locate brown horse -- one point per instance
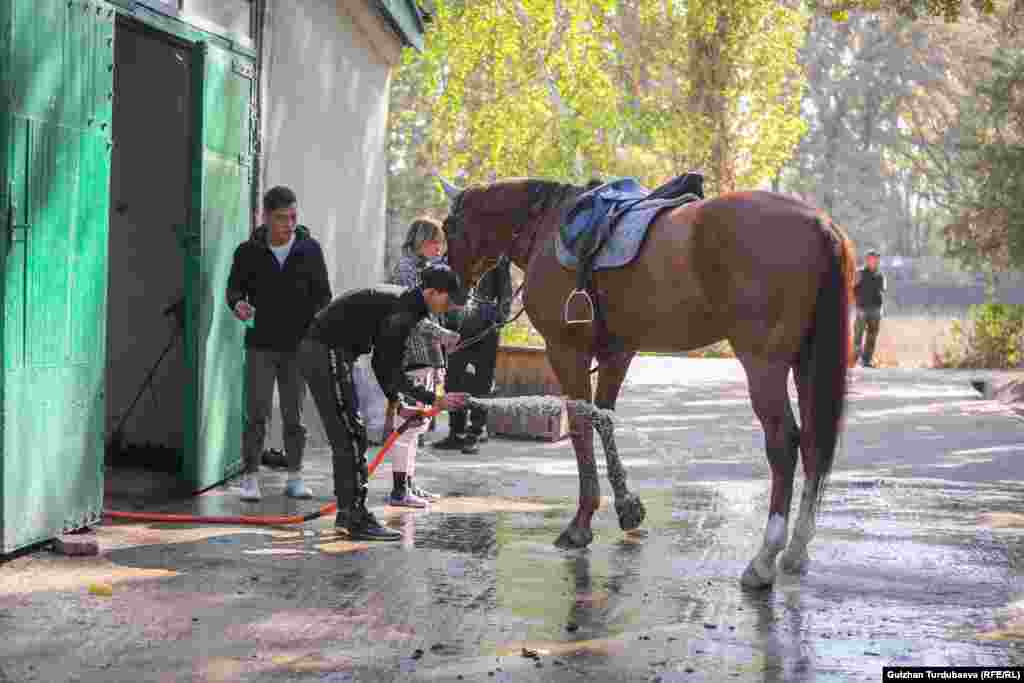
(767, 272)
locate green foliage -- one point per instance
(583, 88)
(989, 225)
(521, 333)
(991, 338)
(949, 10)
(720, 349)
(863, 76)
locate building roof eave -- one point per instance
(404, 17)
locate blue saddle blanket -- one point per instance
(613, 219)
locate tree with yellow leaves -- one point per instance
(571, 89)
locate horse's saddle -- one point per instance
(606, 226)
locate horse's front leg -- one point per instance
(581, 427)
(612, 373)
(572, 369)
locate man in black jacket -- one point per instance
(869, 290)
(376, 320)
(278, 282)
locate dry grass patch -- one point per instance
(905, 341)
(913, 341)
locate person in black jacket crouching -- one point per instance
(377, 320)
(278, 282)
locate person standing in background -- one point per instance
(868, 290)
(472, 368)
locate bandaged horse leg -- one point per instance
(611, 375)
(771, 405)
(570, 367)
(581, 427)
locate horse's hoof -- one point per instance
(631, 512)
(757, 579)
(793, 562)
(574, 537)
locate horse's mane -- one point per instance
(547, 194)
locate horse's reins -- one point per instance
(493, 327)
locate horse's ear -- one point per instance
(451, 191)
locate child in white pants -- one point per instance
(404, 492)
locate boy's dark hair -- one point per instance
(442, 278)
(279, 197)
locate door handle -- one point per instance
(12, 227)
(11, 208)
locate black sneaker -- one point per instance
(452, 442)
(362, 525)
(471, 446)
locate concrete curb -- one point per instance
(83, 544)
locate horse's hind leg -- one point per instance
(571, 367)
(612, 374)
(770, 399)
(795, 559)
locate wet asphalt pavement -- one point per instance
(918, 560)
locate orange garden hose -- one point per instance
(269, 520)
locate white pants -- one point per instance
(372, 402)
(403, 458)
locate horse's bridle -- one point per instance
(453, 226)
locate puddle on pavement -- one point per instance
(900, 573)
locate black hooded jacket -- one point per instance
(377, 319)
(285, 297)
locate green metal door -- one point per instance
(56, 64)
(222, 209)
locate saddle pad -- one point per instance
(615, 217)
(623, 244)
(592, 207)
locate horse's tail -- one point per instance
(827, 350)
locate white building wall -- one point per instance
(325, 80)
(326, 73)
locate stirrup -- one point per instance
(590, 305)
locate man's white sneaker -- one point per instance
(251, 489)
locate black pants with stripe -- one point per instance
(328, 375)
